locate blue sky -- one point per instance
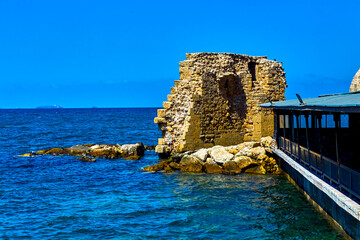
(115, 53)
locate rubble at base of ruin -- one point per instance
(216, 102)
(355, 83)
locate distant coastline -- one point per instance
(49, 107)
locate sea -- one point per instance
(61, 197)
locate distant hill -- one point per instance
(49, 107)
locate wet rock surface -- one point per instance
(248, 157)
(89, 152)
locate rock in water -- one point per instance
(191, 164)
(220, 155)
(256, 170)
(210, 167)
(132, 151)
(109, 151)
(257, 151)
(87, 159)
(244, 162)
(78, 150)
(56, 151)
(231, 167)
(201, 154)
(157, 167)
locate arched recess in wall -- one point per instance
(231, 89)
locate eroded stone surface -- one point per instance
(201, 154)
(355, 83)
(220, 155)
(216, 101)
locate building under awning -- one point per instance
(322, 134)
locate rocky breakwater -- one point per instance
(89, 152)
(248, 157)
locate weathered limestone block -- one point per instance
(201, 154)
(161, 113)
(266, 141)
(220, 155)
(191, 164)
(159, 120)
(212, 167)
(216, 101)
(167, 105)
(244, 162)
(256, 170)
(231, 167)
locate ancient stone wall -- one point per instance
(355, 84)
(216, 101)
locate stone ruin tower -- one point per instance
(355, 84)
(216, 101)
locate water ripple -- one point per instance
(62, 198)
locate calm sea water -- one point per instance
(63, 198)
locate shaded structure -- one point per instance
(321, 135)
(216, 101)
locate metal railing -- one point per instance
(343, 177)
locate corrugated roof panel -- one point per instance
(343, 100)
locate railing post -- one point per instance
(298, 137)
(307, 136)
(319, 118)
(337, 125)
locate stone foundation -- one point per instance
(216, 101)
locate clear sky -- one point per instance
(115, 53)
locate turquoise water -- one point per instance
(61, 197)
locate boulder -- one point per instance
(269, 164)
(56, 151)
(235, 149)
(106, 151)
(163, 151)
(257, 151)
(191, 164)
(168, 169)
(231, 167)
(266, 141)
(177, 157)
(42, 151)
(87, 159)
(220, 155)
(243, 161)
(29, 155)
(212, 167)
(132, 151)
(246, 151)
(251, 144)
(201, 154)
(175, 165)
(256, 170)
(78, 150)
(157, 167)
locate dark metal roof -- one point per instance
(343, 102)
